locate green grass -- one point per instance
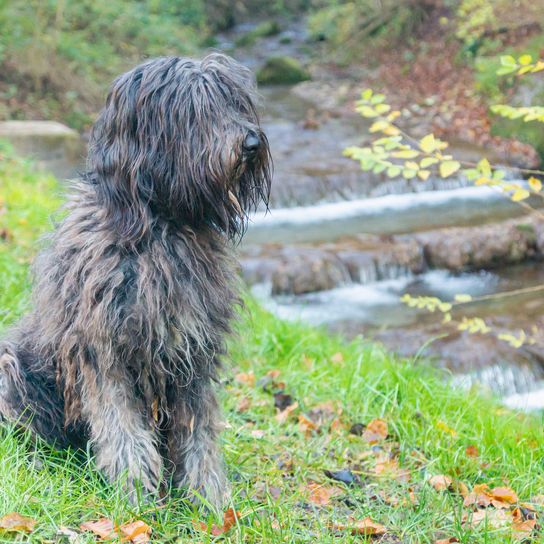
(271, 463)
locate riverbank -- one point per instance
(322, 435)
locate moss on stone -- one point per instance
(282, 70)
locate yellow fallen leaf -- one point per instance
(13, 522)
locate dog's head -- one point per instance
(180, 139)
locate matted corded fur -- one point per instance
(136, 289)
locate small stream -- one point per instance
(319, 196)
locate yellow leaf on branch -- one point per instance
(405, 154)
(535, 184)
(448, 168)
(520, 194)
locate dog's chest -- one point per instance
(184, 290)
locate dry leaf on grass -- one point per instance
(450, 540)
(247, 378)
(13, 522)
(137, 532)
(283, 416)
(472, 451)
(440, 482)
(306, 425)
(389, 468)
(244, 404)
(320, 494)
(364, 527)
(499, 497)
(229, 520)
(491, 518)
(103, 528)
(522, 527)
(337, 358)
(504, 495)
(375, 431)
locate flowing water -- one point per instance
(320, 196)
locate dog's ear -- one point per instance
(114, 157)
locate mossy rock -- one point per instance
(263, 30)
(282, 70)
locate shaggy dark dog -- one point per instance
(137, 287)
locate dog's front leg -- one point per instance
(124, 444)
(193, 448)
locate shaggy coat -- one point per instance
(135, 291)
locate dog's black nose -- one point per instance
(251, 143)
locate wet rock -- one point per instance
(306, 270)
(283, 70)
(487, 246)
(54, 147)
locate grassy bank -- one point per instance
(326, 392)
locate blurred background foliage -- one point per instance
(58, 56)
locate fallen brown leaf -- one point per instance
(337, 358)
(522, 526)
(103, 528)
(244, 404)
(440, 482)
(364, 527)
(375, 431)
(137, 532)
(283, 416)
(229, 520)
(258, 434)
(306, 425)
(504, 495)
(479, 496)
(13, 522)
(390, 468)
(320, 494)
(472, 451)
(450, 540)
(247, 378)
(494, 519)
